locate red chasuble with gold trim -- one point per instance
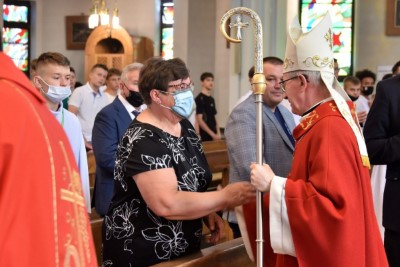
(328, 199)
(43, 216)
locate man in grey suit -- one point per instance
(278, 124)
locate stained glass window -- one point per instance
(16, 33)
(15, 45)
(312, 11)
(12, 13)
(167, 29)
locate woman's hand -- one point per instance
(216, 226)
(261, 176)
(240, 193)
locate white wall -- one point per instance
(372, 46)
(136, 16)
(199, 42)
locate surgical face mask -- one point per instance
(56, 94)
(134, 98)
(353, 98)
(367, 90)
(183, 102)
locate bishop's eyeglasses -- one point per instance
(282, 83)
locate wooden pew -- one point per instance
(92, 167)
(216, 153)
(97, 225)
(231, 253)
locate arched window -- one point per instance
(167, 29)
(312, 11)
(16, 32)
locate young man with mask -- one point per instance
(52, 80)
(352, 87)
(367, 79)
(38, 174)
(109, 126)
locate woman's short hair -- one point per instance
(155, 74)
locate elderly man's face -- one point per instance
(292, 85)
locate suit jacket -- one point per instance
(382, 136)
(109, 126)
(240, 133)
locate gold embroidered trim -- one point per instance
(287, 63)
(78, 219)
(318, 62)
(51, 165)
(328, 38)
(333, 106)
(309, 120)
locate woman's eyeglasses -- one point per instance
(182, 86)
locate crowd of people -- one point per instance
(145, 128)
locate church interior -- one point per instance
(197, 40)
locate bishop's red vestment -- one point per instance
(42, 211)
(323, 213)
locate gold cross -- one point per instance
(73, 197)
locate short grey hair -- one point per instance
(129, 68)
(314, 77)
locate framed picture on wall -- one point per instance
(393, 17)
(77, 32)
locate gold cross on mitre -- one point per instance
(239, 25)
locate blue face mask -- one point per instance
(183, 103)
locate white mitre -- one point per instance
(312, 51)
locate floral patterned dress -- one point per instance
(134, 235)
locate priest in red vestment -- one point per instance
(43, 216)
(322, 213)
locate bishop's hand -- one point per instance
(261, 176)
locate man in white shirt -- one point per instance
(367, 79)
(52, 79)
(87, 100)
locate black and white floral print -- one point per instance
(134, 235)
(168, 237)
(119, 225)
(125, 149)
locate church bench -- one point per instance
(96, 226)
(216, 153)
(231, 253)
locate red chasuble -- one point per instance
(328, 199)
(42, 211)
